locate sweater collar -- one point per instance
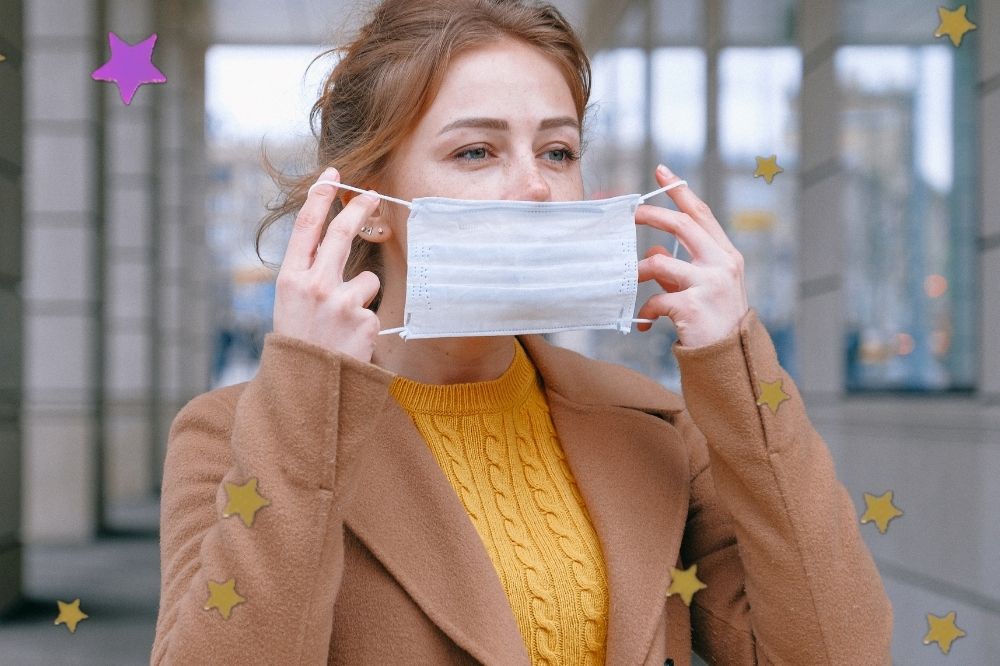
(501, 394)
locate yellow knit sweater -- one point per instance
(496, 444)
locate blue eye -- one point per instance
(562, 155)
(473, 154)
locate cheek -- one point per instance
(570, 187)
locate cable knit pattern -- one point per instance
(497, 445)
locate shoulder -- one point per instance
(214, 408)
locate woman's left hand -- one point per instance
(706, 298)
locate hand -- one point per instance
(312, 302)
(706, 298)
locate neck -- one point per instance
(443, 360)
(437, 360)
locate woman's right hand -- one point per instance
(312, 302)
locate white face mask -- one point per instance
(510, 267)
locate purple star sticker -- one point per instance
(130, 66)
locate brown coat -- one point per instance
(366, 556)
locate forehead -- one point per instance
(507, 78)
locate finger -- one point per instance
(670, 273)
(688, 202)
(309, 224)
(658, 305)
(363, 288)
(658, 249)
(336, 246)
(694, 238)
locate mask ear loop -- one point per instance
(401, 202)
(671, 186)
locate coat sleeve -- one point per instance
(773, 532)
(299, 428)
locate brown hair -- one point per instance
(388, 76)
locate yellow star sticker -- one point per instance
(70, 615)
(772, 395)
(942, 631)
(881, 510)
(768, 168)
(954, 24)
(685, 583)
(245, 501)
(223, 596)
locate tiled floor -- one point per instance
(940, 458)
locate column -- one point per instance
(820, 316)
(184, 323)
(11, 306)
(988, 36)
(128, 251)
(62, 212)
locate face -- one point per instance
(503, 126)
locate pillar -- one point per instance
(820, 315)
(11, 304)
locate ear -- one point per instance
(378, 215)
(378, 222)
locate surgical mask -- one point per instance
(477, 268)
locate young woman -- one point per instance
(497, 499)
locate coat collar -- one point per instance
(408, 515)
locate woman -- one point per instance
(369, 500)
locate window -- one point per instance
(908, 204)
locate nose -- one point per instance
(530, 183)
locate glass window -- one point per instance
(616, 124)
(907, 200)
(620, 146)
(758, 117)
(679, 108)
(253, 94)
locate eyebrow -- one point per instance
(503, 125)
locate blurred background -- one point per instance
(129, 283)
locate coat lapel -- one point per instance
(632, 470)
(410, 518)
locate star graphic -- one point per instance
(130, 66)
(954, 24)
(768, 168)
(245, 501)
(942, 630)
(685, 583)
(223, 596)
(772, 395)
(70, 615)
(880, 509)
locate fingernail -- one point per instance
(370, 195)
(665, 171)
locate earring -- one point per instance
(368, 230)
